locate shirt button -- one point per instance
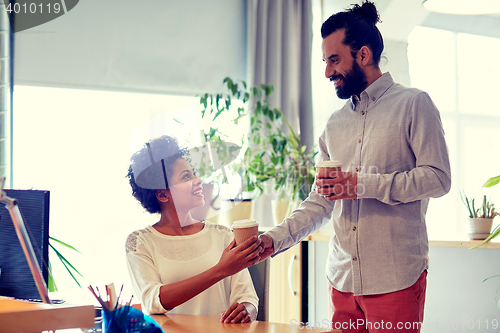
(354, 258)
(359, 141)
(362, 113)
(354, 228)
(357, 169)
(373, 99)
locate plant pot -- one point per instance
(479, 228)
(232, 210)
(281, 209)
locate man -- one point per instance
(391, 143)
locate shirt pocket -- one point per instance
(383, 150)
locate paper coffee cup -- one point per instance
(244, 229)
(328, 169)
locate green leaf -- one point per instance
(277, 114)
(246, 97)
(234, 89)
(465, 200)
(63, 243)
(217, 99)
(51, 283)
(268, 89)
(241, 111)
(65, 261)
(258, 109)
(492, 181)
(293, 140)
(257, 92)
(491, 277)
(253, 121)
(217, 114)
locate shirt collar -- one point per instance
(373, 92)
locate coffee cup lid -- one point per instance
(245, 223)
(328, 164)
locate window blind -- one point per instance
(160, 46)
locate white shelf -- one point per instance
(495, 244)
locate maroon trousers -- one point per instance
(399, 311)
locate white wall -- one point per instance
(456, 298)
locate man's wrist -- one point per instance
(271, 239)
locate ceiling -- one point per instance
(399, 17)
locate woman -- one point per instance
(179, 264)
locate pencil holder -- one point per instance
(128, 320)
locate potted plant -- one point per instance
(272, 158)
(279, 160)
(480, 219)
(495, 232)
(214, 164)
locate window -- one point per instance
(455, 69)
(77, 145)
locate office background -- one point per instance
(87, 80)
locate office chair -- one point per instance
(260, 278)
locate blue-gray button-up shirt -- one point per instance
(393, 138)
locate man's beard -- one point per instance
(353, 83)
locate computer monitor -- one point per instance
(16, 279)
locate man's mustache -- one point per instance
(335, 77)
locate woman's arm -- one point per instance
(233, 259)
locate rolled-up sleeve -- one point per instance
(145, 277)
(312, 214)
(242, 289)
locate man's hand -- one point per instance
(236, 313)
(266, 243)
(344, 186)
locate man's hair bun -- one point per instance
(360, 28)
(368, 11)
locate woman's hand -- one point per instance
(235, 258)
(237, 313)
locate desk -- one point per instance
(177, 323)
(20, 316)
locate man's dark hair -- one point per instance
(358, 23)
(168, 148)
